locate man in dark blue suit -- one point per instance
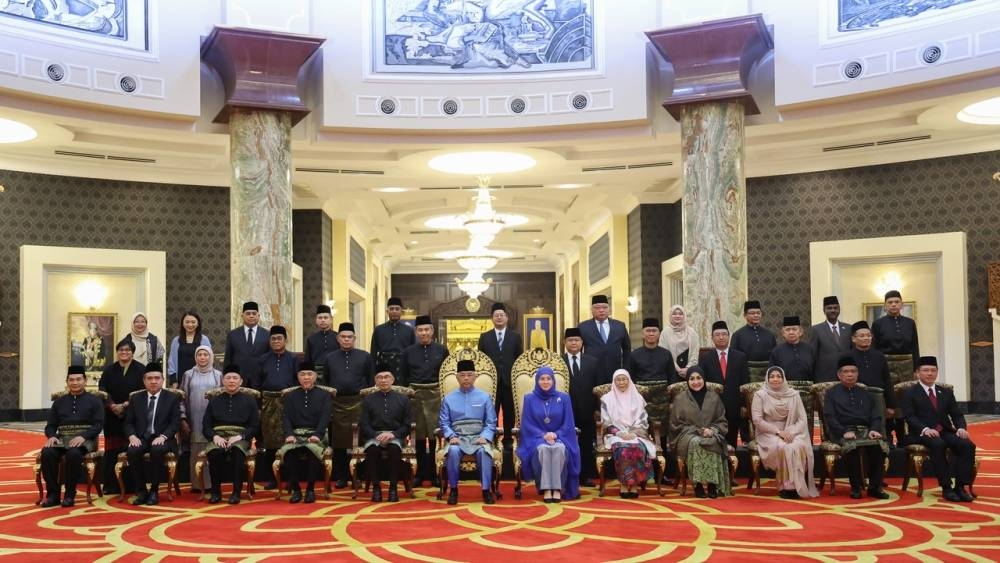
(503, 346)
(935, 421)
(152, 420)
(606, 339)
(246, 344)
(728, 366)
(584, 375)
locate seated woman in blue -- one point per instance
(549, 450)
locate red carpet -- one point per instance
(743, 528)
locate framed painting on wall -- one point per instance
(90, 341)
(538, 330)
(872, 311)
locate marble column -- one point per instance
(711, 62)
(261, 74)
(260, 208)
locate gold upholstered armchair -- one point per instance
(748, 391)
(673, 391)
(829, 448)
(602, 453)
(89, 460)
(408, 459)
(327, 461)
(202, 461)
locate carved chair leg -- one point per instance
(975, 473)
(601, 475)
(661, 469)
(352, 470)
(90, 466)
(251, 465)
(328, 475)
(829, 461)
(682, 477)
(38, 478)
(199, 476)
(918, 467)
(408, 483)
(120, 466)
(276, 470)
(754, 474)
(172, 486)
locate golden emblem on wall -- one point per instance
(472, 305)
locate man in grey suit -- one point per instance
(605, 338)
(831, 340)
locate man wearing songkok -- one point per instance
(420, 369)
(152, 420)
(652, 362)
(245, 344)
(855, 422)
(322, 342)
(753, 339)
(277, 372)
(795, 357)
(831, 339)
(605, 338)
(349, 370)
(119, 380)
(384, 426)
(728, 367)
(873, 369)
(468, 422)
(390, 338)
(934, 420)
(75, 422)
(305, 423)
(503, 345)
(231, 420)
(584, 374)
(895, 336)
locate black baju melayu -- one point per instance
(307, 414)
(70, 416)
(652, 364)
(384, 412)
(851, 409)
(420, 369)
(318, 346)
(389, 339)
(873, 371)
(229, 415)
(754, 341)
(797, 360)
(349, 371)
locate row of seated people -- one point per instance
(697, 427)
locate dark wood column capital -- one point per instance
(260, 69)
(712, 60)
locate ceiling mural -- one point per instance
(118, 22)
(856, 15)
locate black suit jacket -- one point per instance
(737, 373)
(247, 356)
(829, 349)
(615, 353)
(920, 414)
(166, 420)
(581, 387)
(502, 359)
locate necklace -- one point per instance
(545, 405)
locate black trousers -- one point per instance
(963, 458)
(227, 465)
(73, 469)
(505, 402)
(385, 457)
(156, 457)
(425, 459)
(342, 464)
(301, 465)
(588, 432)
(874, 458)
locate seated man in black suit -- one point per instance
(728, 367)
(934, 420)
(151, 424)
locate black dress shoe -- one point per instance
(699, 491)
(153, 499)
(270, 485)
(341, 484)
(878, 493)
(788, 494)
(588, 483)
(296, 497)
(855, 493)
(139, 499)
(713, 491)
(70, 500)
(216, 498)
(234, 498)
(377, 495)
(951, 496)
(453, 496)
(488, 497)
(49, 501)
(963, 495)
(393, 495)
(417, 482)
(622, 494)
(310, 497)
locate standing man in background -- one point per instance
(605, 338)
(390, 338)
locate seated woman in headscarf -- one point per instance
(681, 340)
(784, 435)
(698, 436)
(548, 448)
(626, 433)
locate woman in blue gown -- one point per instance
(548, 447)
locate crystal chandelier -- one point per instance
(483, 223)
(474, 284)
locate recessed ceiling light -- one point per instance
(536, 240)
(391, 189)
(414, 242)
(986, 112)
(569, 186)
(15, 132)
(479, 163)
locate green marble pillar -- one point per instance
(260, 204)
(714, 214)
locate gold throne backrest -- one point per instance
(487, 380)
(522, 375)
(818, 392)
(180, 394)
(103, 396)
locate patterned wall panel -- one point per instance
(785, 213)
(359, 266)
(312, 239)
(599, 259)
(654, 235)
(190, 223)
(635, 279)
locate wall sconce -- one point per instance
(90, 294)
(888, 282)
(333, 310)
(632, 304)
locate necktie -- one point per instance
(150, 411)
(932, 397)
(604, 332)
(835, 329)
(723, 363)
(576, 367)
(250, 336)
(500, 340)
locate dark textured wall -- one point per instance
(190, 223)
(312, 248)
(654, 235)
(785, 213)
